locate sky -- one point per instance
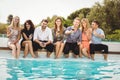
(36, 10)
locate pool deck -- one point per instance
(114, 52)
(42, 56)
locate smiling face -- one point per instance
(58, 22)
(44, 24)
(76, 23)
(16, 20)
(94, 25)
(27, 26)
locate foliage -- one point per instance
(3, 28)
(115, 36)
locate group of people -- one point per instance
(80, 38)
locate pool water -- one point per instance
(61, 69)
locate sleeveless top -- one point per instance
(14, 34)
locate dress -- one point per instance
(85, 41)
(27, 33)
(13, 36)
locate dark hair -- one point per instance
(30, 23)
(95, 21)
(44, 20)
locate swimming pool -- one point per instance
(60, 69)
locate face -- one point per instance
(16, 20)
(58, 22)
(76, 23)
(94, 25)
(27, 26)
(84, 24)
(44, 24)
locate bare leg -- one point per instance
(75, 56)
(105, 56)
(48, 54)
(26, 50)
(85, 52)
(80, 48)
(66, 55)
(18, 50)
(92, 56)
(60, 50)
(36, 53)
(31, 49)
(13, 47)
(57, 47)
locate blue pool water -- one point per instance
(63, 69)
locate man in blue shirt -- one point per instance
(97, 36)
(73, 39)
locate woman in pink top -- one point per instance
(86, 37)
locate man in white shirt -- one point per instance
(43, 37)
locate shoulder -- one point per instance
(90, 29)
(49, 29)
(99, 29)
(38, 28)
(9, 27)
(70, 27)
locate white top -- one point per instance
(43, 35)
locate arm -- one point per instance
(101, 35)
(80, 38)
(89, 34)
(9, 33)
(68, 31)
(25, 36)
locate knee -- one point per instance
(14, 47)
(26, 45)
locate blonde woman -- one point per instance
(86, 38)
(58, 35)
(13, 33)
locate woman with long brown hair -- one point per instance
(58, 35)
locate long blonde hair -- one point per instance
(12, 23)
(87, 23)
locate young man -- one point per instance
(73, 39)
(97, 36)
(43, 38)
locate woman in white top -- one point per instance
(13, 33)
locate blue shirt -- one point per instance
(74, 37)
(95, 39)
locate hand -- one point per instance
(30, 36)
(44, 45)
(95, 33)
(78, 43)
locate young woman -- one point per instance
(86, 37)
(27, 41)
(58, 35)
(13, 33)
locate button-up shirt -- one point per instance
(43, 35)
(74, 37)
